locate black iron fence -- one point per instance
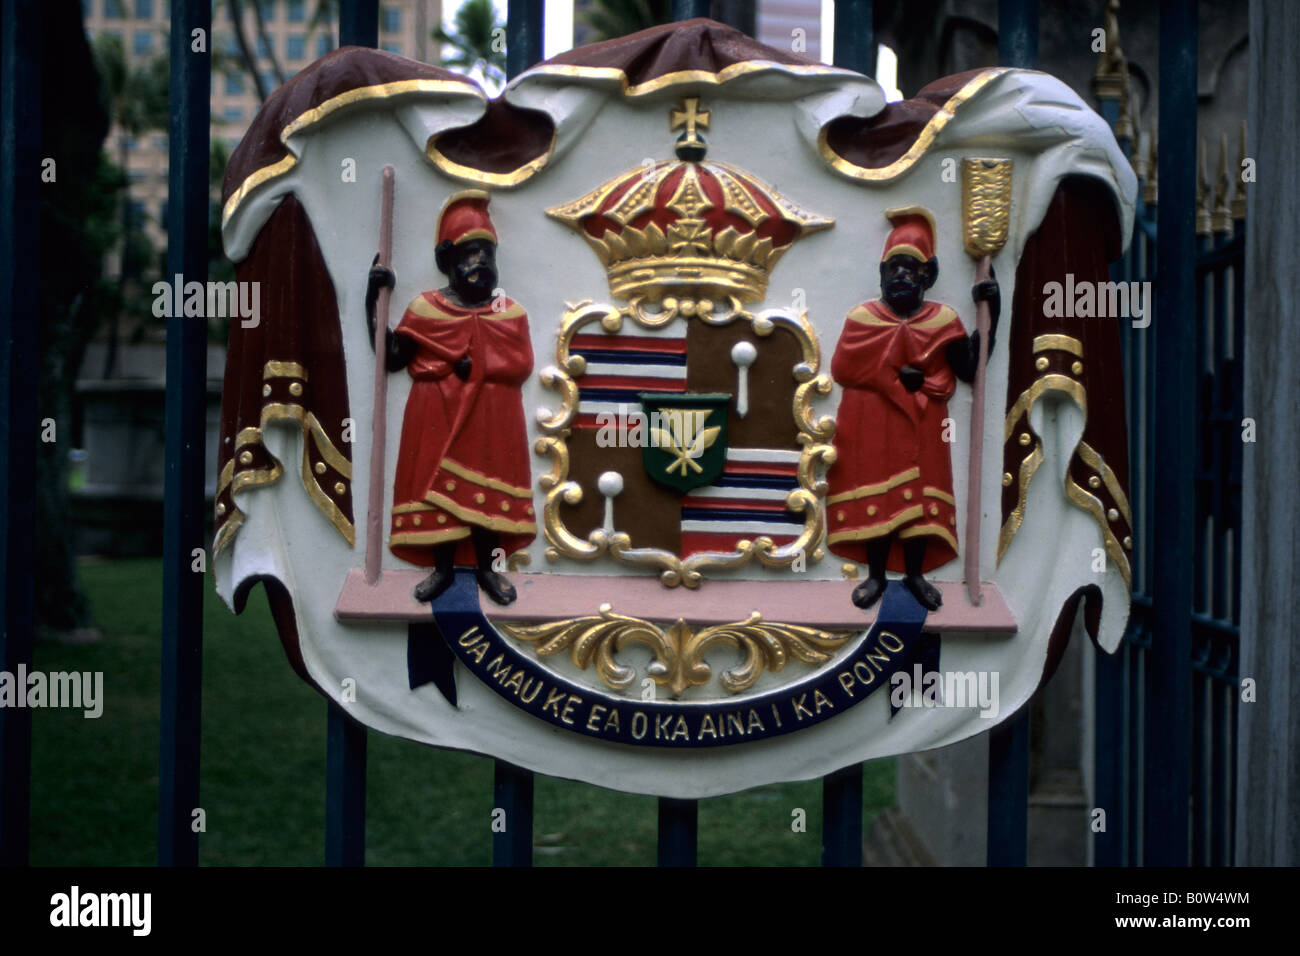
(1126, 762)
(1134, 733)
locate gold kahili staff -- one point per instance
(986, 212)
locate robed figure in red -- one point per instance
(462, 493)
(890, 501)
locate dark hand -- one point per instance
(989, 291)
(380, 277)
(911, 377)
(462, 367)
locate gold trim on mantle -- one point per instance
(314, 115)
(679, 648)
(918, 148)
(814, 436)
(313, 435)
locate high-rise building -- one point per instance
(280, 37)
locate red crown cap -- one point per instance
(465, 217)
(912, 235)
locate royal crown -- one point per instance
(686, 227)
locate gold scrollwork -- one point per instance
(814, 436)
(679, 649)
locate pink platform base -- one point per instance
(543, 597)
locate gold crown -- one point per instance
(686, 227)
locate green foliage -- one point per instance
(475, 40)
(94, 782)
(608, 19)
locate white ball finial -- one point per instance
(610, 484)
(744, 354)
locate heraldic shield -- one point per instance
(669, 464)
(687, 438)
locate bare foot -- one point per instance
(432, 586)
(496, 586)
(925, 593)
(868, 592)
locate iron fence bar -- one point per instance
(1200, 778)
(1018, 33)
(185, 429)
(1108, 758)
(855, 35)
(1218, 774)
(1204, 461)
(1167, 753)
(345, 789)
(346, 741)
(855, 49)
(20, 170)
(842, 817)
(1008, 809)
(1108, 674)
(690, 9)
(524, 33)
(512, 786)
(359, 23)
(1133, 777)
(678, 831)
(1219, 433)
(512, 792)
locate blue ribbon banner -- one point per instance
(459, 631)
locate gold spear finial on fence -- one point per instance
(1124, 125)
(1140, 168)
(1222, 214)
(1204, 221)
(1239, 192)
(1108, 81)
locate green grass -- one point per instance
(95, 782)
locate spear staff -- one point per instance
(379, 418)
(986, 212)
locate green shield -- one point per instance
(686, 438)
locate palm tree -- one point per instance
(476, 42)
(607, 19)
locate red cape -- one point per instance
(893, 471)
(463, 460)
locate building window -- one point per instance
(263, 49)
(324, 43)
(390, 19)
(233, 114)
(142, 42)
(269, 82)
(113, 10)
(116, 35)
(135, 213)
(144, 9)
(234, 84)
(296, 11)
(86, 7)
(393, 48)
(268, 9)
(295, 46)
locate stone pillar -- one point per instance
(1268, 761)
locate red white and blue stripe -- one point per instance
(619, 368)
(746, 502)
